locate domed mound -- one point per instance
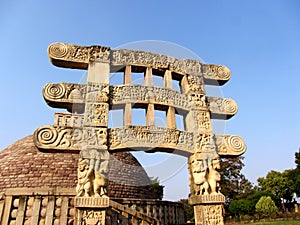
(23, 166)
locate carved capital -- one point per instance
(90, 202)
(74, 56)
(206, 199)
(230, 145)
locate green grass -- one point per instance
(283, 222)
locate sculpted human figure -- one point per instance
(199, 173)
(85, 178)
(214, 176)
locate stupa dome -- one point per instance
(23, 166)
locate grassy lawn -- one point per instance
(283, 222)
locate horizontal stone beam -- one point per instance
(78, 57)
(136, 138)
(68, 139)
(72, 97)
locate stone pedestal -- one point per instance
(91, 210)
(208, 209)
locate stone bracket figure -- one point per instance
(92, 175)
(205, 176)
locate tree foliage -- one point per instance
(188, 209)
(278, 184)
(266, 206)
(247, 206)
(234, 184)
(157, 188)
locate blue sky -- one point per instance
(258, 40)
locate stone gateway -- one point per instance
(85, 130)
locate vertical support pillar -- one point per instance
(127, 75)
(148, 77)
(127, 115)
(171, 119)
(168, 79)
(91, 200)
(150, 117)
(204, 164)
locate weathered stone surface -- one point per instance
(73, 97)
(74, 56)
(70, 139)
(91, 136)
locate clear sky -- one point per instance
(258, 40)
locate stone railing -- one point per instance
(164, 211)
(56, 206)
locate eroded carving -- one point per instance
(92, 217)
(209, 214)
(195, 85)
(156, 95)
(198, 121)
(70, 139)
(69, 55)
(96, 114)
(158, 61)
(150, 137)
(97, 92)
(222, 108)
(205, 177)
(92, 174)
(213, 73)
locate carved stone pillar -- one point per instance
(204, 164)
(92, 200)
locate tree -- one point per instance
(297, 159)
(157, 188)
(247, 206)
(188, 209)
(239, 207)
(234, 184)
(278, 184)
(266, 206)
